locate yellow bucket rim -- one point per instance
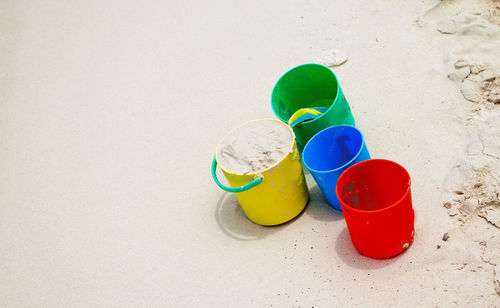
(268, 168)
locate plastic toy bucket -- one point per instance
(271, 196)
(329, 153)
(376, 200)
(306, 86)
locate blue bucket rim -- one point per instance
(343, 165)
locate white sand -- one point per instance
(255, 147)
(111, 113)
(333, 58)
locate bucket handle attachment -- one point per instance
(243, 188)
(305, 114)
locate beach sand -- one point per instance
(111, 113)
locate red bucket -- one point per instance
(375, 196)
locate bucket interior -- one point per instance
(373, 185)
(255, 147)
(310, 85)
(332, 148)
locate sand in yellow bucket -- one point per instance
(261, 162)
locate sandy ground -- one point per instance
(110, 113)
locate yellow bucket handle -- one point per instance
(243, 188)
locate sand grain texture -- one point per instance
(255, 147)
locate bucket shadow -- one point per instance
(235, 224)
(319, 208)
(351, 257)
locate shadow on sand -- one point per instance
(351, 257)
(235, 224)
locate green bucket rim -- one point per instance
(297, 67)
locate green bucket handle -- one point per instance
(243, 188)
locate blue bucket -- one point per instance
(329, 153)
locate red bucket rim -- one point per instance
(369, 161)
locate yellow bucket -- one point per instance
(274, 195)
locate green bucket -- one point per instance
(310, 86)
